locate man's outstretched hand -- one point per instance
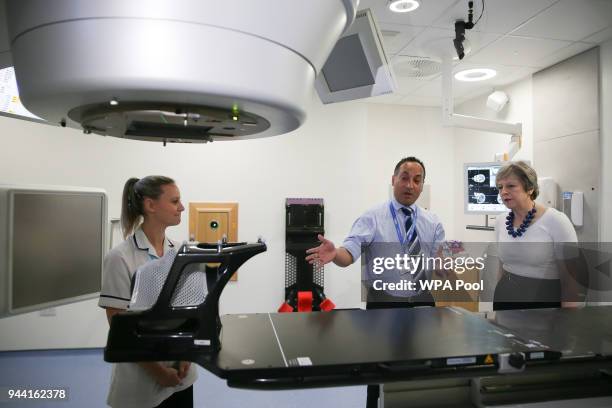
(323, 254)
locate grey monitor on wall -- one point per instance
(357, 66)
(481, 195)
(52, 245)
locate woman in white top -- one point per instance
(536, 246)
(149, 206)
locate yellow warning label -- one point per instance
(488, 359)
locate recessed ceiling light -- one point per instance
(403, 6)
(477, 74)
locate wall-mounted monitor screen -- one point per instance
(52, 246)
(358, 66)
(481, 194)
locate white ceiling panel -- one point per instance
(571, 20)
(500, 16)
(429, 11)
(600, 37)
(431, 88)
(515, 37)
(432, 42)
(516, 75)
(436, 42)
(564, 53)
(512, 50)
(396, 36)
(407, 85)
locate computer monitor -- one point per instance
(481, 194)
(358, 66)
(52, 244)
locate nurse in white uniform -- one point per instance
(149, 206)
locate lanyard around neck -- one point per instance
(398, 230)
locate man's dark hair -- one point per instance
(408, 159)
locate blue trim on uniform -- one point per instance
(170, 244)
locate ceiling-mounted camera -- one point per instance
(461, 26)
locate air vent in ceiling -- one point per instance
(416, 67)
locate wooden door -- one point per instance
(209, 222)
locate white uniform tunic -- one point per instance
(131, 386)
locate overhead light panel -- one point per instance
(476, 74)
(403, 6)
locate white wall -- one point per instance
(566, 132)
(344, 153)
(478, 146)
(399, 131)
(605, 207)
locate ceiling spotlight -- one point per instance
(403, 6)
(477, 74)
(497, 100)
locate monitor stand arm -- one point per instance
(164, 332)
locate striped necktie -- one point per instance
(408, 213)
(412, 242)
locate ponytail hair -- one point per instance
(134, 192)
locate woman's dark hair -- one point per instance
(134, 192)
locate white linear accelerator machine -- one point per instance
(187, 70)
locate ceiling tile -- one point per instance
(506, 75)
(570, 20)
(406, 85)
(563, 53)
(516, 75)
(500, 16)
(432, 42)
(600, 37)
(512, 50)
(429, 11)
(429, 89)
(437, 42)
(545, 32)
(396, 36)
